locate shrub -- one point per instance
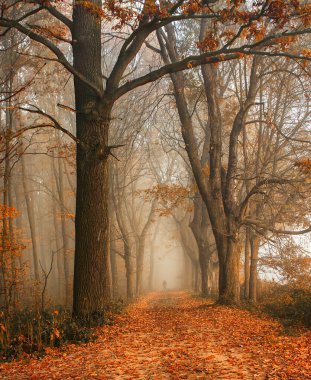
(292, 305)
(30, 332)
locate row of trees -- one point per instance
(231, 114)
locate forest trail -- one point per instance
(171, 335)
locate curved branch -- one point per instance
(220, 55)
(25, 129)
(274, 230)
(189, 62)
(61, 17)
(54, 12)
(55, 125)
(53, 48)
(256, 190)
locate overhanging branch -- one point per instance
(53, 48)
(257, 190)
(255, 223)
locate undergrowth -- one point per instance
(29, 332)
(291, 305)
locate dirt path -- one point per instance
(174, 336)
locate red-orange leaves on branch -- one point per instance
(7, 212)
(150, 8)
(305, 11)
(92, 8)
(111, 10)
(54, 31)
(227, 35)
(278, 11)
(120, 13)
(282, 12)
(210, 42)
(285, 42)
(169, 196)
(304, 165)
(193, 6)
(306, 52)
(10, 252)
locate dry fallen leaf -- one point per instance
(171, 335)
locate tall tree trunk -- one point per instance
(7, 259)
(114, 272)
(92, 285)
(64, 231)
(31, 220)
(130, 273)
(203, 259)
(247, 265)
(58, 245)
(229, 271)
(5, 243)
(187, 272)
(19, 220)
(140, 255)
(254, 243)
(199, 227)
(151, 267)
(152, 256)
(92, 280)
(59, 261)
(190, 252)
(14, 259)
(213, 270)
(195, 276)
(140, 252)
(212, 193)
(114, 267)
(128, 248)
(218, 187)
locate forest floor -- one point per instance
(173, 335)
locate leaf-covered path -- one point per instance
(171, 335)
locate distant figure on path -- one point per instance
(164, 284)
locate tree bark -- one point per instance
(195, 275)
(31, 220)
(254, 243)
(140, 251)
(187, 271)
(114, 269)
(59, 261)
(92, 280)
(247, 265)
(230, 273)
(199, 227)
(217, 202)
(130, 273)
(152, 259)
(113, 259)
(64, 232)
(129, 243)
(140, 255)
(218, 190)
(213, 277)
(191, 253)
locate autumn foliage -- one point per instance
(169, 197)
(304, 165)
(174, 336)
(11, 249)
(232, 21)
(108, 50)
